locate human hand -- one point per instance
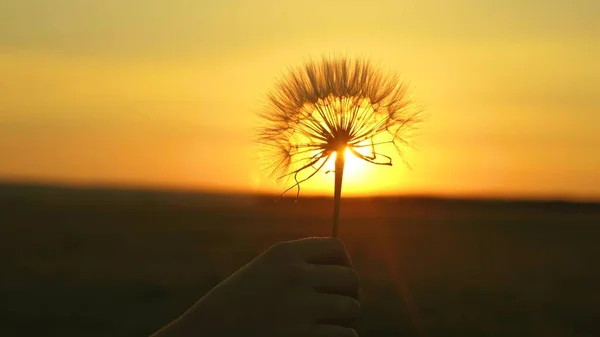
(305, 287)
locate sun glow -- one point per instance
(354, 168)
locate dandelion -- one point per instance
(325, 108)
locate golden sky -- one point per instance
(163, 93)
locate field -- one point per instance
(85, 262)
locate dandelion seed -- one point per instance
(328, 106)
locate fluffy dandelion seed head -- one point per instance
(327, 106)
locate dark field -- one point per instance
(123, 263)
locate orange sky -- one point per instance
(163, 93)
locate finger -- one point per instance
(335, 309)
(323, 251)
(328, 330)
(334, 279)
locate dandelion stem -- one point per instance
(337, 194)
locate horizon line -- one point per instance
(97, 185)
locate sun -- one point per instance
(354, 169)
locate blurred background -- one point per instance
(129, 184)
(154, 93)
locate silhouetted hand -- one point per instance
(302, 288)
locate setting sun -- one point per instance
(354, 170)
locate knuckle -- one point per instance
(338, 244)
(349, 306)
(281, 251)
(349, 333)
(280, 246)
(353, 278)
(353, 307)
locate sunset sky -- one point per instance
(164, 93)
